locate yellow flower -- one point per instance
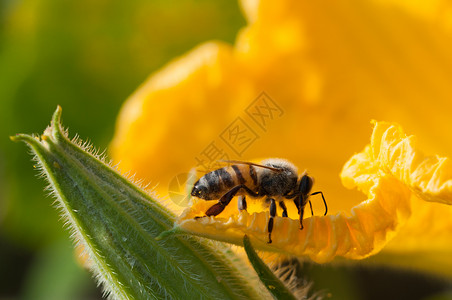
(399, 182)
(302, 82)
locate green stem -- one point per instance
(268, 278)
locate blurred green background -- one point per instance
(88, 56)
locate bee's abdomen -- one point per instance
(217, 182)
(222, 180)
(238, 174)
(245, 174)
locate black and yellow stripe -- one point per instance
(222, 180)
(238, 173)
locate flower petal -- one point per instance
(387, 171)
(330, 68)
(355, 236)
(430, 177)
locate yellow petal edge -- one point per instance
(388, 171)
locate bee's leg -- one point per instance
(310, 205)
(226, 198)
(324, 202)
(284, 208)
(297, 204)
(249, 191)
(223, 202)
(241, 202)
(214, 210)
(306, 183)
(270, 220)
(301, 217)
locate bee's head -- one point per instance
(199, 191)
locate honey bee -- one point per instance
(273, 179)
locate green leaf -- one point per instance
(117, 223)
(274, 285)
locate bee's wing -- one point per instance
(251, 164)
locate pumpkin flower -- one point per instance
(396, 178)
(302, 82)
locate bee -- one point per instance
(273, 179)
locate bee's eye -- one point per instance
(198, 190)
(195, 191)
(201, 191)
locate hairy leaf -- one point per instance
(117, 223)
